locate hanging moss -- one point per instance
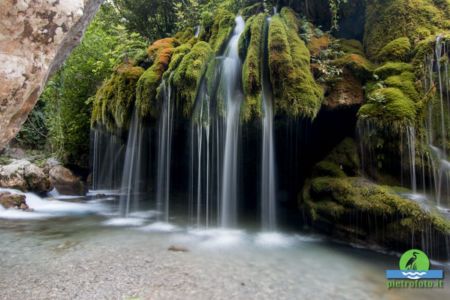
(188, 74)
(221, 29)
(393, 68)
(389, 108)
(252, 71)
(114, 100)
(146, 93)
(397, 50)
(387, 21)
(126, 95)
(244, 40)
(296, 93)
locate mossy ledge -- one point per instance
(295, 90)
(114, 101)
(188, 74)
(146, 101)
(348, 207)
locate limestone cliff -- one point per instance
(35, 38)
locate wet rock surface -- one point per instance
(8, 200)
(24, 176)
(65, 182)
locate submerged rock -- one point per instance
(65, 182)
(25, 176)
(177, 249)
(8, 200)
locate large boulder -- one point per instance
(65, 181)
(25, 176)
(8, 200)
(35, 38)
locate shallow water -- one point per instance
(97, 255)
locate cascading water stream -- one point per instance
(268, 184)
(131, 170)
(231, 77)
(164, 149)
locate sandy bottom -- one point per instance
(99, 257)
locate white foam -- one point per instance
(149, 214)
(274, 239)
(124, 222)
(159, 227)
(219, 238)
(92, 193)
(45, 208)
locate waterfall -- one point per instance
(232, 66)
(411, 136)
(268, 185)
(164, 149)
(106, 159)
(130, 189)
(197, 31)
(438, 50)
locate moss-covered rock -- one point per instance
(405, 83)
(221, 29)
(358, 65)
(388, 108)
(188, 74)
(393, 68)
(355, 209)
(252, 67)
(397, 50)
(387, 21)
(296, 93)
(114, 101)
(146, 92)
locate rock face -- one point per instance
(35, 38)
(65, 181)
(8, 200)
(24, 176)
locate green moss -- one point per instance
(351, 47)
(338, 196)
(397, 50)
(114, 100)
(221, 29)
(387, 21)
(146, 92)
(393, 68)
(188, 74)
(357, 64)
(252, 69)
(328, 169)
(296, 93)
(404, 82)
(389, 108)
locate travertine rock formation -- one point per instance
(35, 38)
